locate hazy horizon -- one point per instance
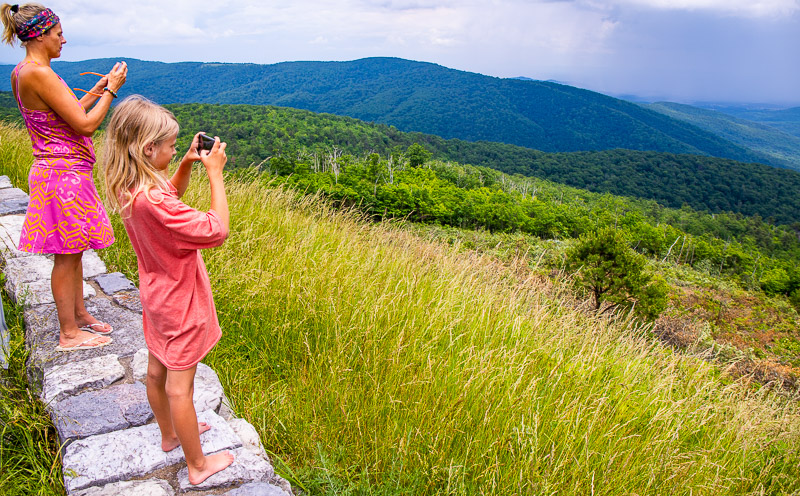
(686, 51)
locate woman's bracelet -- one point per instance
(113, 93)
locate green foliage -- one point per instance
(29, 446)
(781, 146)
(257, 135)
(615, 275)
(417, 155)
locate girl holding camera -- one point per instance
(180, 321)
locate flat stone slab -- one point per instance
(246, 467)
(13, 201)
(114, 283)
(151, 487)
(208, 391)
(129, 300)
(10, 231)
(257, 489)
(95, 372)
(42, 334)
(121, 455)
(98, 412)
(5, 182)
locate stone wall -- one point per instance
(97, 398)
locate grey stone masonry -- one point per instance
(97, 398)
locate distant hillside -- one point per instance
(256, 133)
(763, 138)
(424, 97)
(787, 120)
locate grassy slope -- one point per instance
(760, 137)
(372, 362)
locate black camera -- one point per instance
(206, 142)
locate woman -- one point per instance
(65, 215)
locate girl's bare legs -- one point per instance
(157, 397)
(66, 282)
(180, 389)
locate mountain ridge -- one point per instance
(429, 98)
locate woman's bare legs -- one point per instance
(170, 394)
(157, 397)
(66, 282)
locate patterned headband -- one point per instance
(38, 25)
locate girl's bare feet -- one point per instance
(168, 445)
(213, 464)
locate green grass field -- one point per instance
(373, 362)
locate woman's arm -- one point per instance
(51, 91)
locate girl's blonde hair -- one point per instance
(136, 123)
(12, 20)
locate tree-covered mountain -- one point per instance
(781, 146)
(786, 120)
(256, 133)
(425, 97)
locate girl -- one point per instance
(65, 216)
(180, 321)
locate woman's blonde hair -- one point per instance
(12, 21)
(136, 123)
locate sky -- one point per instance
(690, 51)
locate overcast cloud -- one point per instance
(681, 50)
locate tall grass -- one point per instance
(29, 461)
(372, 362)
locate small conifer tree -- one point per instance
(615, 275)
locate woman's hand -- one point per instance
(116, 78)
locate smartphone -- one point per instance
(206, 142)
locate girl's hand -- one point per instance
(193, 153)
(215, 159)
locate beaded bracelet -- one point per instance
(113, 93)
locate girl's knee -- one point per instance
(179, 392)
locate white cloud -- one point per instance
(744, 8)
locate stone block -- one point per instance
(13, 201)
(28, 280)
(151, 487)
(207, 389)
(99, 412)
(42, 334)
(250, 438)
(78, 376)
(135, 452)
(10, 231)
(246, 467)
(257, 489)
(114, 282)
(129, 300)
(5, 182)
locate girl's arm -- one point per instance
(214, 161)
(51, 91)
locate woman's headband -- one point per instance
(37, 25)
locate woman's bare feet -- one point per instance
(168, 445)
(213, 464)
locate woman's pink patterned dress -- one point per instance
(65, 214)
